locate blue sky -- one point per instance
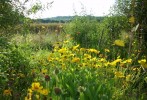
(69, 7)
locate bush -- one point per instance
(14, 71)
(84, 30)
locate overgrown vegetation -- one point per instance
(84, 59)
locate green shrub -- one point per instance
(14, 71)
(84, 30)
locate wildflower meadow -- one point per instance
(83, 59)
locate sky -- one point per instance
(71, 7)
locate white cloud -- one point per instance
(67, 7)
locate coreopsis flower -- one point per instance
(36, 86)
(82, 49)
(76, 59)
(113, 63)
(119, 74)
(93, 51)
(50, 59)
(119, 43)
(29, 96)
(66, 41)
(128, 78)
(44, 92)
(128, 61)
(132, 20)
(143, 63)
(63, 66)
(93, 59)
(106, 64)
(62, 50)
(37, 97)
(87, 56)
(118, 60)
(107, 50)
(75, 47)
(30, 91)
(102, 60)
(7, 92)
(71, 55)
(44, 71)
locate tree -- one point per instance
(136, 9)
(140, 13)
(9, 14)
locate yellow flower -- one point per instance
(75, 47)
(93, 51)
(76, 59)
(63, 66)
(83, 64)
(44, 71)
(128, 78)
(119, 74)
(57, 58)
(132, 20)
(107, 50)
(135, 69)
(119, 43)
(66, 41)
(63, 50)
(129, 61)
(82, 49)
(87, 56)
(29, 96)
(117, 60)
(37, 97)
(44, 92)
(102, 60)
(143, 63)
(113, 63)
(30, 91)
(36, 86)
(7, 92)
(71, 55)
(106, 64)
(50, 59)
(93, 59)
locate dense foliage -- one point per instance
(10, 14)
(85, 59)
(136, 9)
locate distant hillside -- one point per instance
(62, 19)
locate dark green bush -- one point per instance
(84, 30)
(14, 70)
